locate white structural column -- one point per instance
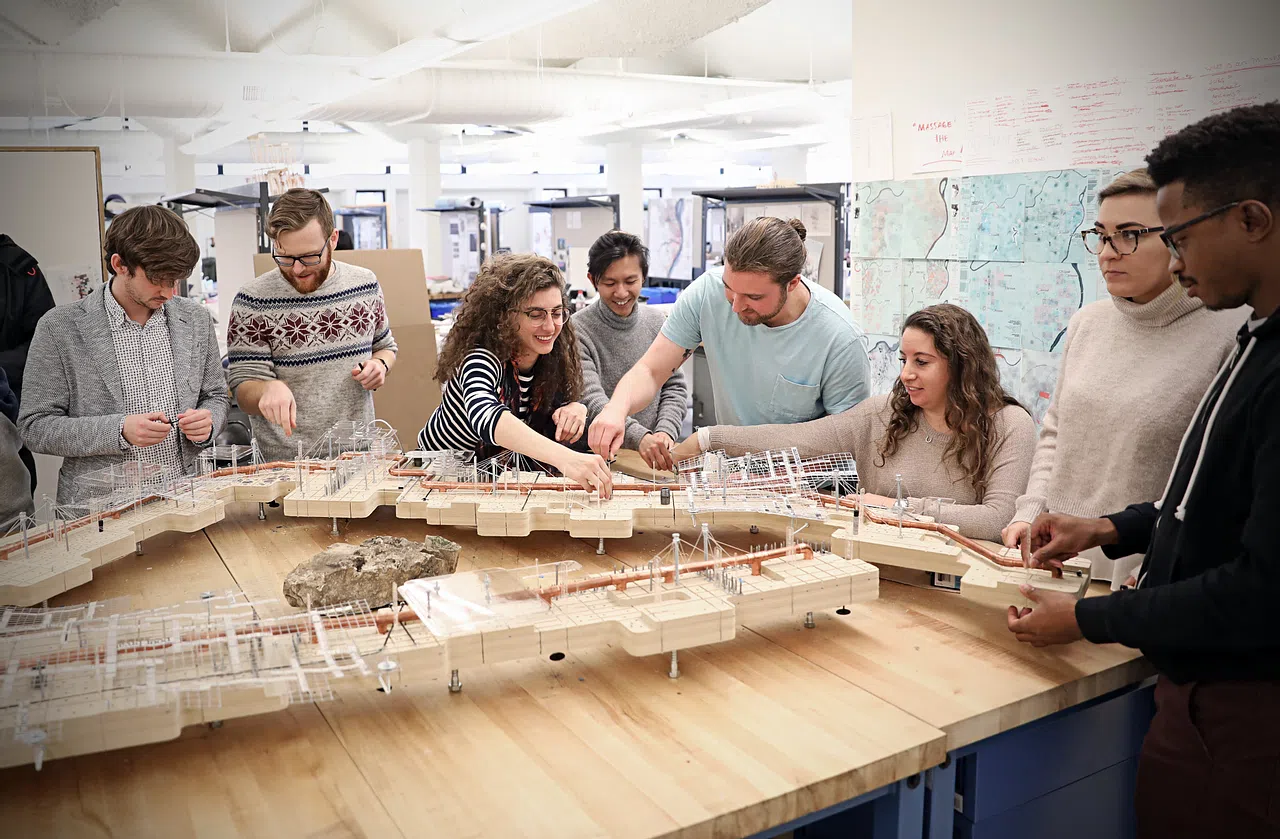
(790, 164)
(424, 189)
(179, 169)
(625, 178)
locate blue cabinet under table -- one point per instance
(1065, 776)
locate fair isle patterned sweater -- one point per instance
(310, 342)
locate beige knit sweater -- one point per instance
(935, 487)
(1131, 376)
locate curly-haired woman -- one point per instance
(512, 375)
(961, 444)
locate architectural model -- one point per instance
(357, 468)
(91, 678)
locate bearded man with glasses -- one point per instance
(309, 341)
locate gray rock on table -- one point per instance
(344, 572)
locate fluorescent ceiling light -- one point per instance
(812, 135)
(584, 125)
(666, 118)
(225, 135)
(408, 57)
(102, 124)
(375, 132)
(503, 17)
(789, 98)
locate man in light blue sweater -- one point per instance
(780, 349)
(613, 333)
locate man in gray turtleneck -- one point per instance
(613, 332)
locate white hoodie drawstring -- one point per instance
(1226, 365)
(1208, 429)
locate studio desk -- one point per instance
(915, 715)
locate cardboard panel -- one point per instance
(400, 273)
(410, 394)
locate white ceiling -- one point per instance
(210, 73)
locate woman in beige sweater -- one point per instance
(961, 444)
(1133, 370)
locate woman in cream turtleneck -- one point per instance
(1133, 370)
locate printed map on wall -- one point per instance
(1006, 247)
(904, 219)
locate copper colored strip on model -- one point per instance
(942, 530)
(203, 639)
(386, 620)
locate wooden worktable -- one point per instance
(771, 726)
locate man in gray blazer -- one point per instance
(130, 372)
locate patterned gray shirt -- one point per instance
(145, 358)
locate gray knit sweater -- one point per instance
(310, 342)
(610, 346)
(935, 486)
(15, 481)
(1131, 377)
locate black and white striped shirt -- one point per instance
(470, 406)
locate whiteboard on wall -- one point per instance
(53, 210)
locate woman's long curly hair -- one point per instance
(974, 393)
(489, 317)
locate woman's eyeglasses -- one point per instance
(1123, 242)
(557, 314)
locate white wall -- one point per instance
(932, 54)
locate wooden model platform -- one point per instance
(515, 504)
(86, 680)
(599, 743)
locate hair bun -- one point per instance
(798, 226)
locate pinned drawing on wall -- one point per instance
(734, 219)
(886, 364)
(70, 283)
(540, 234)
(817, 218)
(935, 144)
(813, 258)
(872, 141)
(670, 238)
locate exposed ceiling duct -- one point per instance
(87, 86)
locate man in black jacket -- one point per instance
(26, 297)
(1201, 607)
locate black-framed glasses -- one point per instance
(1123, 242)
(310, 260)
(557, 314)
(1169, 233)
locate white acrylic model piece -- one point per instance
(87, 680)
(496, 498)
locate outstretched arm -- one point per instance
(636, 390)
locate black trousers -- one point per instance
(1210, 763)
